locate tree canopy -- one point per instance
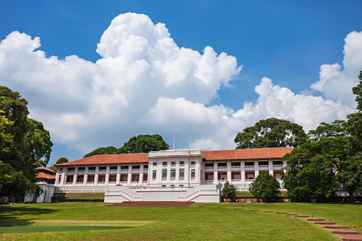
(144, 143)
(24, 145)
(103, 150)
(265, 187)
(271, 132)
(62, 160)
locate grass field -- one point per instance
(95, 221)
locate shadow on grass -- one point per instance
(41, 229)
(11, 216)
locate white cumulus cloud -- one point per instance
(145, 83)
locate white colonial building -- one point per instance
(171, 175)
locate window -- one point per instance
(277, 163)
(145, 167)
(173, 164)
(209, 165)
(91, 169)
(221, 176)
(102, 169)
(164, 174)
(209, 176)
(154, 163)
(235, 176)
(193, 163)
(124, 168)
(69, 179)
(154, 174)
(123, 177)
(249, 164)
(250, 175)
(164, 164)
(263, 163)
(181, 163)
(221, 164)
(137, 167)
(181, 175)
(71, 169)
(145, 177)
(81, 169)
(101, 179)
(135, 177)
(193, 174)
(80, 179)
(113, 168)
(173, 174)
(90, 178)
(235, 164)
(112, 178)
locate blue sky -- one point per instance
(284, 40)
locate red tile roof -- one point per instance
(46, 176)
(109, 159)
(247, 154)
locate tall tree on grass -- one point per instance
(24, 145)
(271, 132)
(144, 143)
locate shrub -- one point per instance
(228, 192)
(265, 187)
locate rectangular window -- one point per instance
(209, 165)
(263, 163)
(123, 177)
(91, 169)
(154, 163)
(154, 174)
(249, 164)
(221, 176)
(145, 177)
(173, 174)
(124, 168)
(80, 179)
(112, 178)
(235, 164)
(101, 179)
(235, 176)
(102, 169)
(209, 176)
(113, 168)
(193, 163)
(250, 175)
(71, 169)
(90, 178)
(221, 164)
(164, 164)
(137, 167)
(181, 163)
(145, 167)
(173, 164)
(135, 177)
(277, 163)
(164, 174)
(81, 169)
(69, 179)
(181, 175)
(193, 174)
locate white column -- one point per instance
(215, 173)
(228, 173)
(140, 178)
(96, 176)
(129, 177)
(75, 175)
(256, 166)
(242, 172)
(271, 168)
(118, 174)
(64, 174)
(85, 177)
(107, 175)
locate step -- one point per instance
(316, 219)
(328, 226)
(351, 237)
(344, 231)
(324, 223)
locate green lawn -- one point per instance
(95, 221)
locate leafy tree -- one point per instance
(265, 187)
(271, 132)
(24, 145)
(102, 150)
(334, 129)
(228, 192)
(144, 143)
(62, 160)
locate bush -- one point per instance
(265, 187)
(228, 192)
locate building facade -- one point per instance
(170, 175)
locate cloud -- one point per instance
(145, 83)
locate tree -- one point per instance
(24, 145)
(144, 143)
(334, 129)
(62, 160)
(265, 187)
(228, 192)
(271, 132)
(102, 150)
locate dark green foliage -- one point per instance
(62, 160)
(265, 187)
(357, 91)
(24, 145)
(271, 132)
(103, 150)
(144, 143)
(334, 129)
(228, 192)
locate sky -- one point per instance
(98, 72)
